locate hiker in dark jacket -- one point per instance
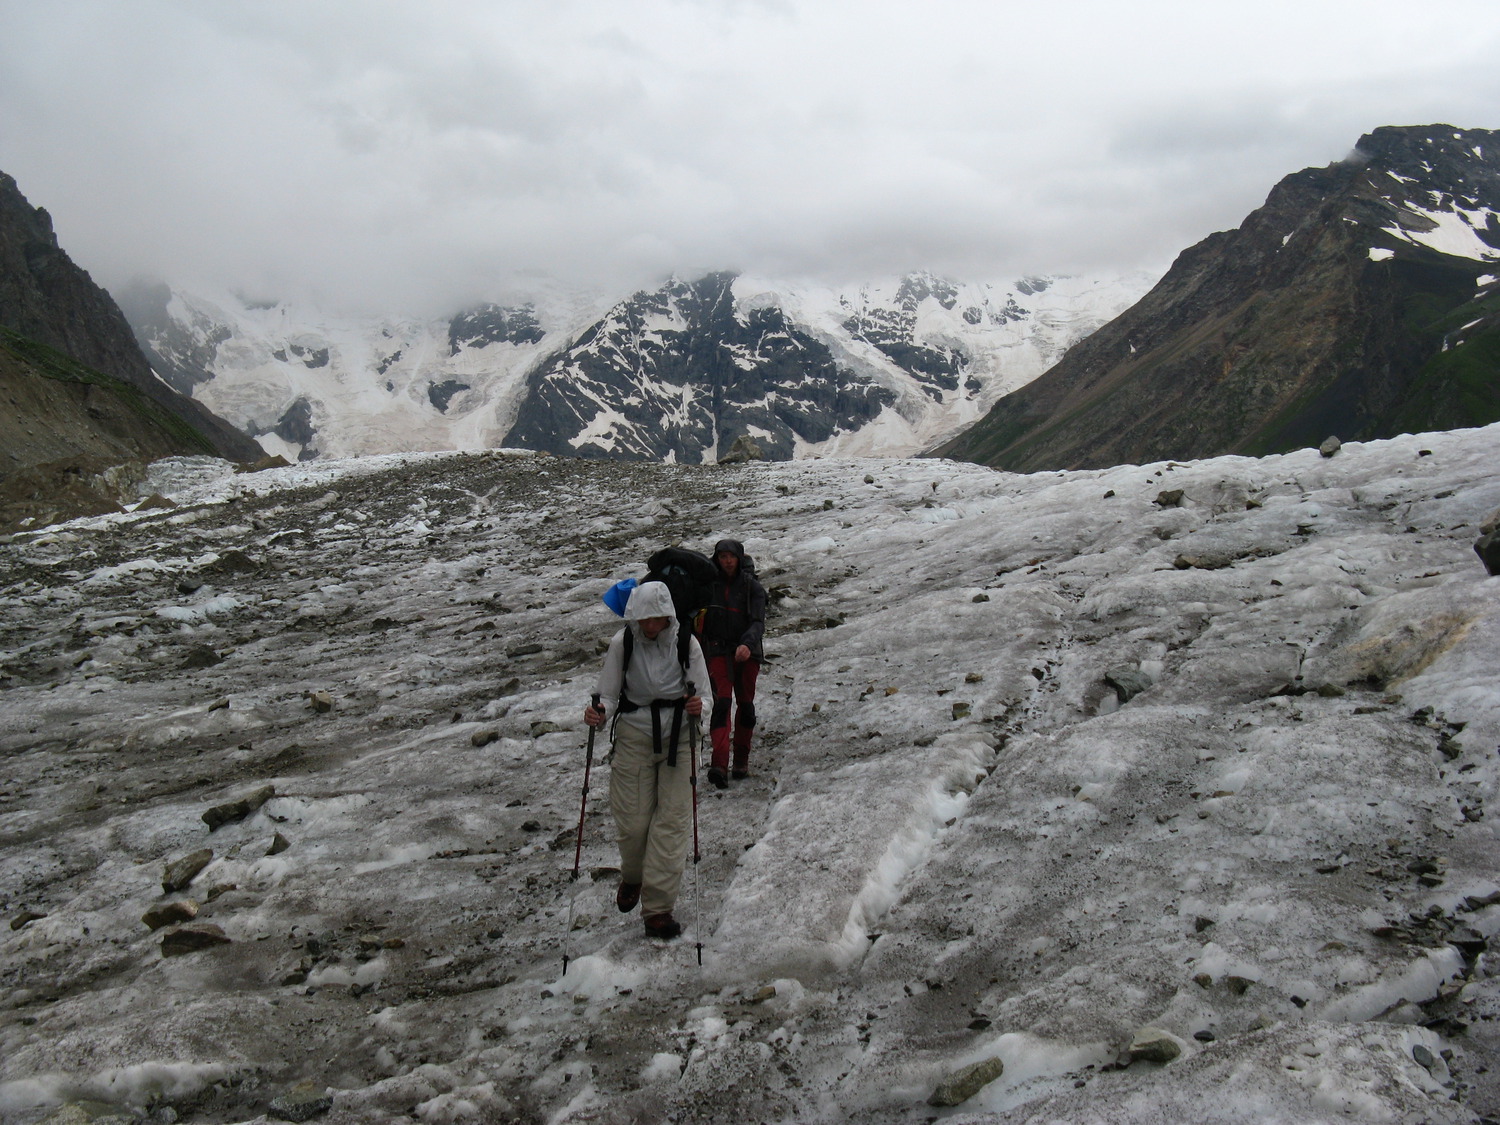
(650, 781)
(732, 631)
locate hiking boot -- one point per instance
(663, 926)
(627, 896)
(739, 775)
(717, 778)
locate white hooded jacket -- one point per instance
(654, 672)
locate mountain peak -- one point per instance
(1350, 303)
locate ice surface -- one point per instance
(957, 842)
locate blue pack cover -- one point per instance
(618, 595)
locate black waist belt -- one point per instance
(657, 706)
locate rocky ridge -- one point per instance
(1361, 300)
(678, 374)
(47, 299)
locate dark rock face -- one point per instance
(935, 367)
(183, 357)
(440, 394)
(493, 324)
(46, 298)
(1349, 304)
(296, 424)
(677, 374)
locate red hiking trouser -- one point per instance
(733, 683)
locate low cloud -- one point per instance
(395, 158)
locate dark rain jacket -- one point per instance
(736, 612)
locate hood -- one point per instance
(736, 548)
(650, 599)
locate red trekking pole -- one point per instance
(588, 765)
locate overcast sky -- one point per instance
(408, 157)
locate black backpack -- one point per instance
(689, 576)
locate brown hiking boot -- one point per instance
(627, 896)
(663, 926)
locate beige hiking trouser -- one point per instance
(653, 807)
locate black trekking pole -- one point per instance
(694, 736)
(588, 765)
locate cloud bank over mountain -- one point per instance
(386, 155)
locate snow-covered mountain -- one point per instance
(306, 384)
(677, 373)
(1151, 794)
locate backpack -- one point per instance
(690, 578)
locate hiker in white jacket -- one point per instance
(652, 675)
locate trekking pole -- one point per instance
(693, 740)
(588, 765)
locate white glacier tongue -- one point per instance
(1046, 766)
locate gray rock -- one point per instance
(745, 448)
(24, 918)
(302, 1102)
(191, 939)
(484, 737)
(1169, 498)
(170, 913)
(1152, 1044)
(1491, 523)
(232, 561)
(200, 656)
(963, 1084)
(1127, 682)
(279, 844)
(1203, 562)
(321, 701)
(545, 727)
(1487, 547)
(1330, 446)
(180, 872)
(238, 809)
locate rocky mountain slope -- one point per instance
(677, 372)
(83, 411)
(1149, 794)
(47, 299)
(1360, 301)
